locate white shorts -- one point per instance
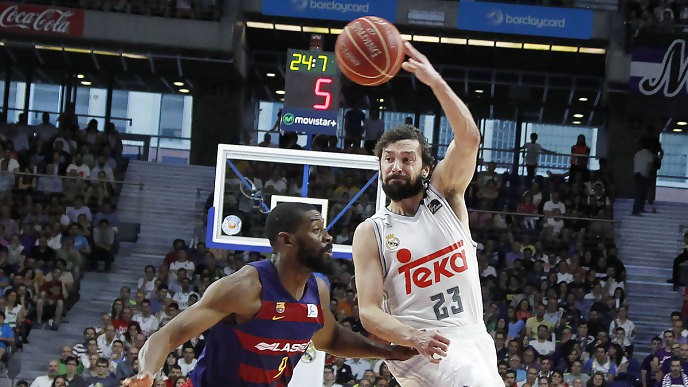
(471, 361)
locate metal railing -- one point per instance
(39, 175)
(37, 112)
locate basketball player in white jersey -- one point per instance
(416, 267)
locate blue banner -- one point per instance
(525, 20)
(309, 121)
(345, 10)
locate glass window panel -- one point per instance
(675, 161)
(44, 98)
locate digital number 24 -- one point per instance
(441, 311)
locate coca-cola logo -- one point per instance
(39, 19)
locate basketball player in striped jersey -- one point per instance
(416, 267)
(261, 319)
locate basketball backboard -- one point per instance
(235, 176)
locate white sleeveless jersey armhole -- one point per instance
(429, 266)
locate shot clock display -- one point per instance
(311, 102)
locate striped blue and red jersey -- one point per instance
(263, 351)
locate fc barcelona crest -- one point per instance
(279, 308)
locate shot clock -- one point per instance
(311, 102)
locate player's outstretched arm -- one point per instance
(333, 338)
(455, 171)
(374, 319)
(220, 300)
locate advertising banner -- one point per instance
(29, 18)
(344, 10)
(659, 72)
(525, 20)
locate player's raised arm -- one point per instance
(374, 319)
(333, 338)
(455, 171)
(220, 300)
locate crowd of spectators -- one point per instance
(657, 15)
(57, 217)
(553, 284)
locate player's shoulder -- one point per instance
(246, 279)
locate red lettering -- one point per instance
(446, 262)
(441, 269)
(462, 256)
(422, 277)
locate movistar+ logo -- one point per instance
(290, 119)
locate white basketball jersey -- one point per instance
(429, 264)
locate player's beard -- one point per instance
(317, 262)
(400, 191)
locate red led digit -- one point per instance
(321, 93)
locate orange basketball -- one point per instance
(369, 51)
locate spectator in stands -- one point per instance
(580, 155)
(82, 170)
(188, 360)
(681, 258)
(118, 355)
(125, 369)
(576, 373)
(177, 245)
(103, 376)
(47, 380)
(103, 244)
(45, 131)
(182, 297)
(106, 340)
(77, 209)
(107, 212)
(353, 126)
(600, 363)
(161, 299)
(146, 320)
(50, 303)
(373, 127)
(122, 324)
(543, 346)
(676, 377)
(100, 191)
(72, 373)
(6, 337)
(643, 164)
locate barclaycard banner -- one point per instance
(659, 73)
(525, 20)
(344, 10)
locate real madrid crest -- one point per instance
(392, 242)
(310, 354)
(279, 308)
(231, 225)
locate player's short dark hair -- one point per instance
(406, 132)
(285, 217)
